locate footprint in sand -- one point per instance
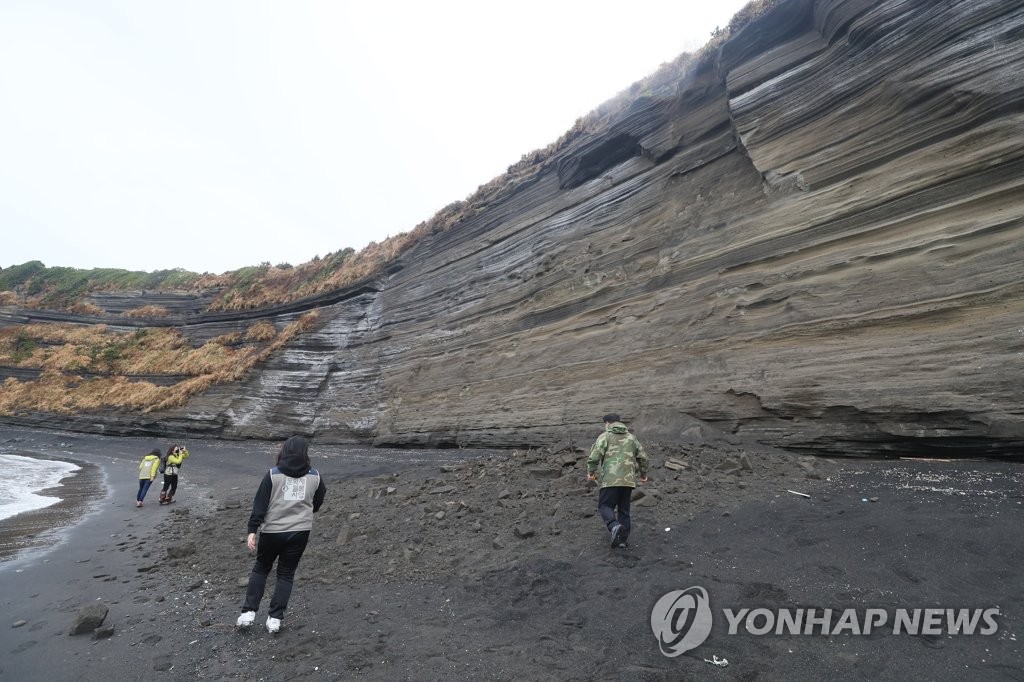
(906, 575)
(832, 571)
(765, 592)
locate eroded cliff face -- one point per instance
(816, 242)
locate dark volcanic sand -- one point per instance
(515, 580)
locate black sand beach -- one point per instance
(488, 565)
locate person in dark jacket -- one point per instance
(282, 512)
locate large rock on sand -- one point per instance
(89, 618)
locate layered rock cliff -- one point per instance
(814, 241)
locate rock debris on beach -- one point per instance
(89, 618)
(466, 522)
(484, 570)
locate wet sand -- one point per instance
(477, 565)
(39, 529)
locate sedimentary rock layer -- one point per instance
(815, 241)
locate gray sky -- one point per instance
(211, 135)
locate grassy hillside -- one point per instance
(83, 368)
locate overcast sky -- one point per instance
(210, 135)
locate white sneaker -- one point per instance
(273, 625)
(246, 619)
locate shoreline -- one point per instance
(80, 494)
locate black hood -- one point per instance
(293, 464)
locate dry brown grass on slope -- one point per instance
(99, 393)
(62, 333)
(230, 339)
(260, 287)
(163, 351)
(146, 311)
(179, 394)
(49, 393)
(66, 358)
(91, 348)
(87, 308)
(261, 331)
(62, 394)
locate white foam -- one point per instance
(21, 478)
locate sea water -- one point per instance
(24, 477)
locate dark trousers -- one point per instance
(144, 484)
(610, 499)
(170, 481)
(287, 549)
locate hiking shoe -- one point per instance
(616, 535)
(246, 619)
(273, 625)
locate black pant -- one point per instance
(170, 481)
(287, 549)
(611, 498)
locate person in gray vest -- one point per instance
(282, 512)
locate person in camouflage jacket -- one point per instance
(622, 462)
